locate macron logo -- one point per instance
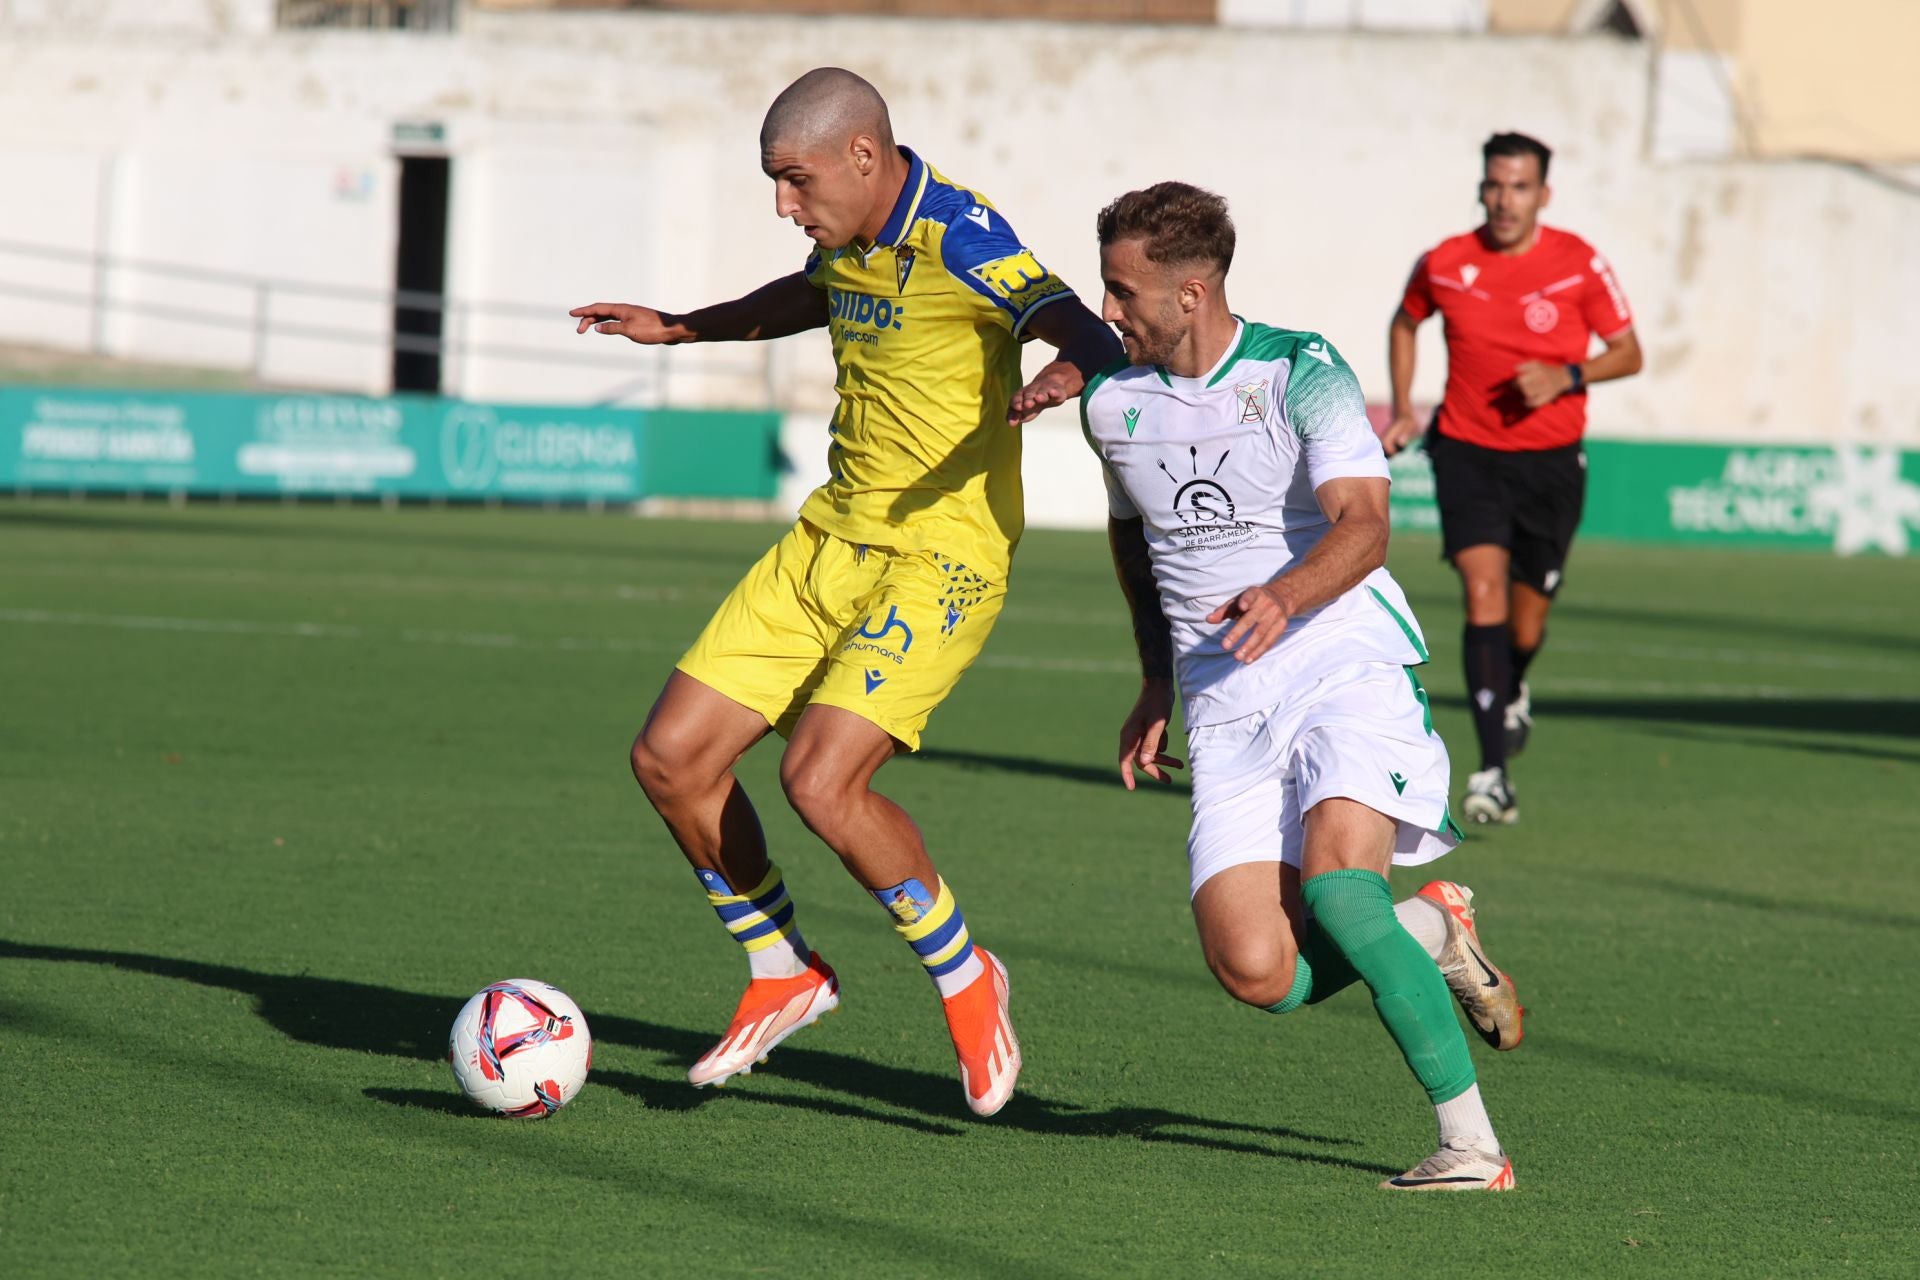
(980, 215)
(874, 680)
(1318, 350)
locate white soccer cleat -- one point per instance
(1518, 721)
(1486, 995)
(1490, 797)
(771, 1010)
(1454, 1168)
(983, 1038)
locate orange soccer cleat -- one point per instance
(771, 1010)
(983, 1038)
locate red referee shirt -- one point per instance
(1502, 311)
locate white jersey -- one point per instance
(1222, 471)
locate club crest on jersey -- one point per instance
(903, 267)
(1253, 400)
(1541, 315)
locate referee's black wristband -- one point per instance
(1579, 377)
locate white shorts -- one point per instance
(1362, 732)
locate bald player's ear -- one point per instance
(865, 153)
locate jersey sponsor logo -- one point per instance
(1252, 397)
(1202, 503)
(864, 309)
(1019, 279)
(877, 642)
(1133, 419)
(1541, 315)
(892, 624)
(1318, 351)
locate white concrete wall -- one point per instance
(614, 155)
(205, 17)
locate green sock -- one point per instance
(1318, 971)
(1355, 908)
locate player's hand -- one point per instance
(1144, 735)
(1261, 615)
(1056, 384)
(1540, 383)
(1402, 429)
(636, 324)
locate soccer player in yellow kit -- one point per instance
(859, 622)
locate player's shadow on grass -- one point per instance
(1031, 767)
(1721, 895)
(1745, 628)
(1889, 718)
(358, 1016)
(1785, 743)
(1741, 627)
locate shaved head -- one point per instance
(826, 108)
(828, 146)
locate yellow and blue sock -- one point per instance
(933, 926)
(761, 920)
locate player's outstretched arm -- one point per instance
(1143, 735)
(1352, 548)
(787, 305)
(1402, 427)
(1086, 346)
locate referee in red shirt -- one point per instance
(1521, 304)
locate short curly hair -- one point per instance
(1181, 223)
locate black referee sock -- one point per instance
(1522, 659)
(1489, 662)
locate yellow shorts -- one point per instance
(883, 634)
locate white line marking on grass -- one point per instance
(492, 587)
(998, 661)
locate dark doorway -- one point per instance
(420, 267)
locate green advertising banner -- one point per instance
(1847, 499)
(405, 446)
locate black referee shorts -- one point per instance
(1528, 502)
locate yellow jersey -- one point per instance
(926, 326)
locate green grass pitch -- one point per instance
(281, 787)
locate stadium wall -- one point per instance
(613, 155)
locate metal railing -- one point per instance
(258, 316)
(392, 15)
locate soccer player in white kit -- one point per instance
(1247, 497)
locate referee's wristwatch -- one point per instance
(1579, 377)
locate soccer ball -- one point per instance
(521, 1048)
